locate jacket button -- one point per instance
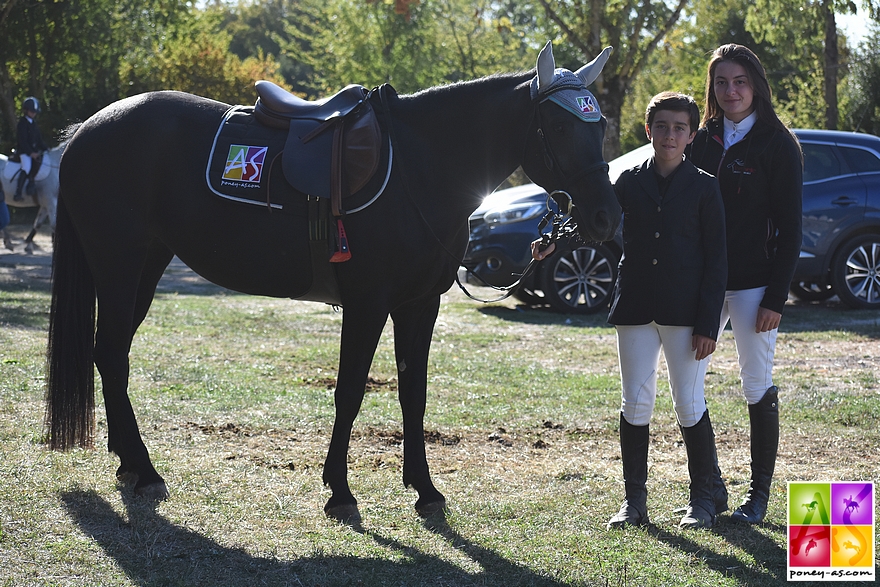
(653, 261)
(656, 235)
(658, 208)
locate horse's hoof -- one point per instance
(29, 249)
(347, 513)
(432, 509)
(127, 478)
(153, 491)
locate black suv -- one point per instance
(840, 252)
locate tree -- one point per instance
(433, 43)
(634, 28)
(809, 27)
(193, 56)
(68, 54)
(861, 95)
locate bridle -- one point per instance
(563, 225)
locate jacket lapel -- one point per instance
(683, 177)
(646, 180)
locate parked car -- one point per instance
(840, 254)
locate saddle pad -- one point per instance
(42, 173)
(245, 165)
(245, 162)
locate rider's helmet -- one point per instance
(30, 103)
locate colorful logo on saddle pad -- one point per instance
(245, 163)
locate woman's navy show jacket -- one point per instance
(761, 181)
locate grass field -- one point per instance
(234, 400)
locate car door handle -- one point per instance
(844, 201)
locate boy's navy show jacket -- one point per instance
(761, 180)
(674, 265)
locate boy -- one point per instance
(668, 295)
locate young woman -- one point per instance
(759, 166)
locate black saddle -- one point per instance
(276, 106)
(333, 145)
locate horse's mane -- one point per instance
(65, 134)
(478, 86)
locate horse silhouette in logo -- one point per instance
(851, 504)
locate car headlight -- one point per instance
(515, 213)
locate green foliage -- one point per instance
(194, 57)
(861, 93)
(78, 56)
(437, 42)
(68, 54)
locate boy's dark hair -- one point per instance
(675, 102)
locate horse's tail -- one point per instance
(70, 377)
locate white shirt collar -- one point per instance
(735, 131)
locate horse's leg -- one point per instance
(42, 215)
(123, 302)
(413, 328)
(361, 329)
(7, 241)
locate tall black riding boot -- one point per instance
(719, 490)
(22, 177)
(764, 425)
(634, 454)
(700, 444)
(31, 187)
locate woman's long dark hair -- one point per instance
(741, 55)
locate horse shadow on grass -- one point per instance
(150, 550)
(525, 314)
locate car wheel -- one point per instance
(811, 292)
(855, 272)
(579, 280)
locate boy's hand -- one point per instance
(539, 254)
(767, 320)
(703, 345)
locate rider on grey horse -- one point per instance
(29, 148)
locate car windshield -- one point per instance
(628, 160)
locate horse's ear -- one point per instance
(546, 66)
(589, 72)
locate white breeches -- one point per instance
(25, 163)
(754, 350)
(639, 350)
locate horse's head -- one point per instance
(564, 149)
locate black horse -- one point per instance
(134, 194)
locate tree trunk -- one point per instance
(831, 65)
